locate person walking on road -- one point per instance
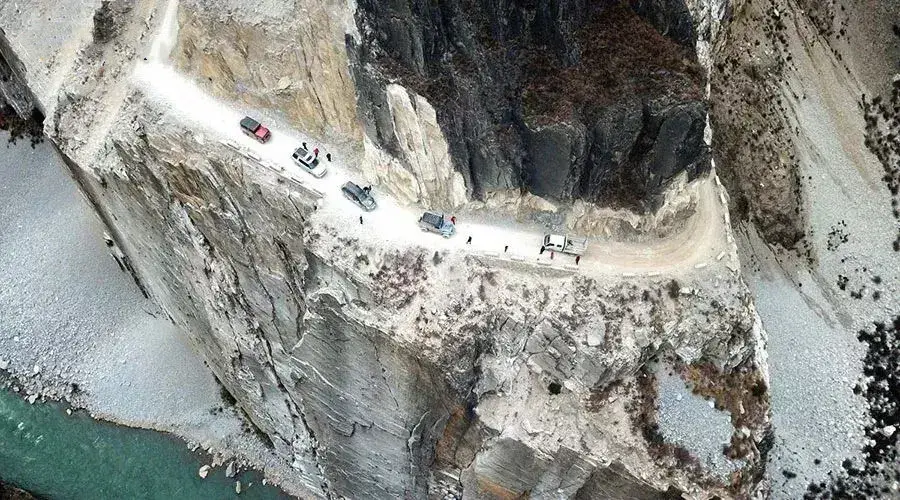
(316, 152)
(469, 241)
(551, 254)
(505, 248)
(577, 259)
(453, 219)
(304, 146)
(360, 219)
(328, 155)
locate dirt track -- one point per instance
(705, 236)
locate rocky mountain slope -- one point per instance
(804, 104)
(379, 369)
(523, 94)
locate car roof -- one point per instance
(556, 239)
(353, 188)
(249, 122)
(432, 217)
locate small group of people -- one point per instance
(315, 152)
(543, 249)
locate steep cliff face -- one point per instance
(283, 55)
(569, 100)
(753, 139)
(384, 369)
(13, 90)
(768, 66)
(365, 365)
(356, 359)
(598, 101)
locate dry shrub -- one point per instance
(621, 54)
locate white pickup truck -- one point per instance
(564, 244)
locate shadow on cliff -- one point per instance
(567, 100)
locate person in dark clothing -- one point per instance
(577, 258)
(551, 254)
(453, 219)
(505, 248)
(360, 219)
(304, 145)
(328, 155)
(469, 241)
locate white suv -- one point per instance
(305, 160)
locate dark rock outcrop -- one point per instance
(671, 17)
(12, 88)
(569, 99)
(19, 114)
(108, 19)
(614, 482)
(10, 492)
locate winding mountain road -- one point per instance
(704, 238)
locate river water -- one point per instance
(65, 306)
(54, 455)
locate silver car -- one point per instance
(360, 196)
(437, 223)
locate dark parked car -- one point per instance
(437, 223)
(360, 196)
(255, 130)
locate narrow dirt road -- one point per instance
(704, 237)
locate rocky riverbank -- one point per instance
(84, 333)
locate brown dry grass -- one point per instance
(745, 395)
(621, 54)
(643, 414)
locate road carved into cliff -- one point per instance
(704, 238)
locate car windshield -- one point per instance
(249, 123)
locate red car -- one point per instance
(253, 128)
